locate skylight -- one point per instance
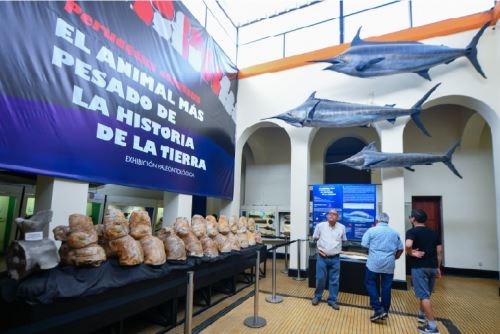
(242, 12)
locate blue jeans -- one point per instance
(371, 286)
(332, 267)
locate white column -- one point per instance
(63, 197)
(176, 205)
(393, 187)
(232, 207)
(299, 193)
(494, 123)
(495, 141)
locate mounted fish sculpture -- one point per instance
(369, 158)
(316, 112)
(369, 59)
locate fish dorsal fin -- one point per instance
(312, 96)
(357, 40)
(366, 65)
(370, 147)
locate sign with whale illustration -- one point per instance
(355, 203)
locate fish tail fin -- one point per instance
(417, 108)
(424, 98)
(418, 122)
(447, 159)
(471, 50)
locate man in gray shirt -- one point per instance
(330, 235)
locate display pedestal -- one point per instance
(84, 314)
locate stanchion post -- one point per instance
(255, 321)
(274, 299)
(285, 271)
(298, 278)
(189, 304)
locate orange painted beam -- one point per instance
(441, 28)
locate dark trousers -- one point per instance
(371, 286)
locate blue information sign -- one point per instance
(355, 204)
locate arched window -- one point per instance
(339, 150)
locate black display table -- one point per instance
(352, 275)
(89, 312)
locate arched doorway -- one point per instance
(266, 179)
(448, 120)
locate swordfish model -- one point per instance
(369, 59)
(369, 158)
(316, 112)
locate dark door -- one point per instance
(432, 206)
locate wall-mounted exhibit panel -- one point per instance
(355, 203)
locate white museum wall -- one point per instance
(468, 204)
(269, 94)
(267, 180)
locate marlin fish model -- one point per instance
(369, 158)
(368, 59)
(316, 112)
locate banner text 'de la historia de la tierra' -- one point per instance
(118, 98)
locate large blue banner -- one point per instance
(355, 203)
(132, 93)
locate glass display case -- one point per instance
(284, 224)
(264, 220)
(128, 204)
(270, 220)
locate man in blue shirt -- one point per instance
(384, 248)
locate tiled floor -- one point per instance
(462, 305)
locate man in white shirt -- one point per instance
(330, 235)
